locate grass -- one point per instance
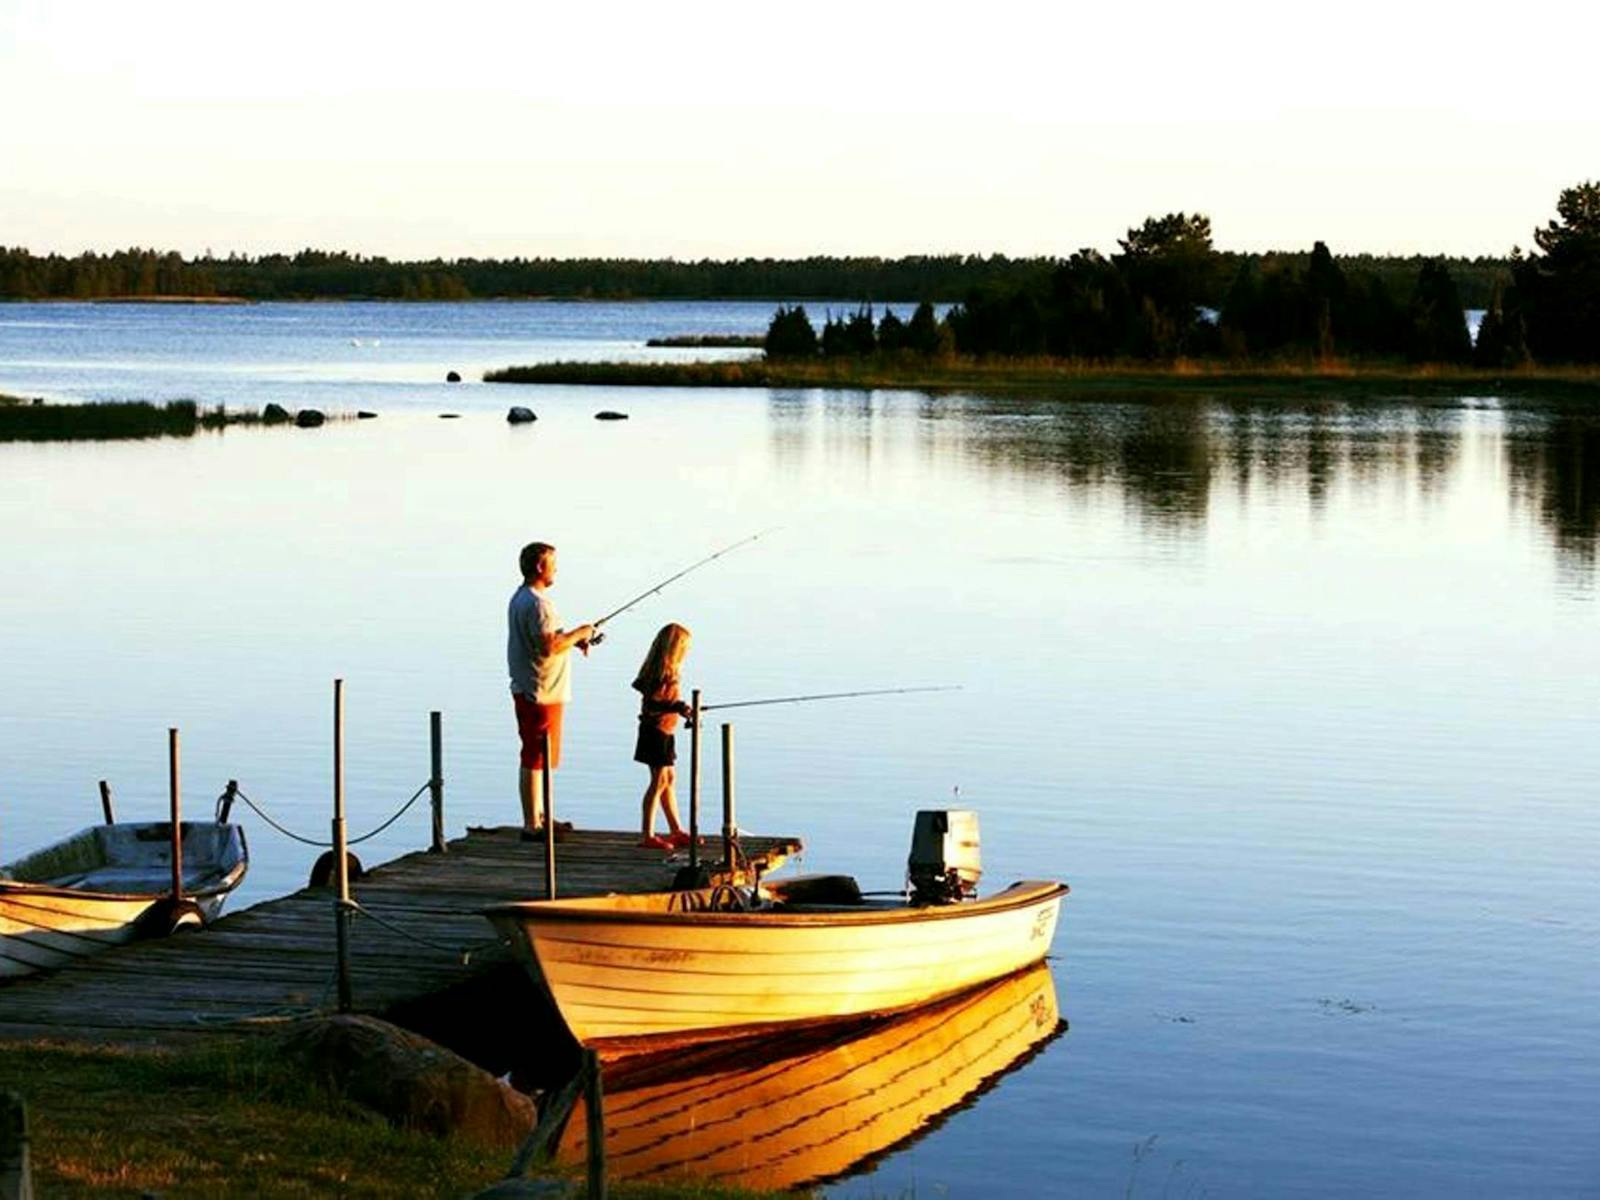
(1056, 375)
(24, 421)
(230, 1118)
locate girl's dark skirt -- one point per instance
(654, 748)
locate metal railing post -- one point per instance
(436, 780)
(728, 824)
(341, 866)
(694, 780)
(175, 806)
(549, 824)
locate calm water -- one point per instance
(1299, 697)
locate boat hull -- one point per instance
(92, 891)
(626, 974)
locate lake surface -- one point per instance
(1298, 696)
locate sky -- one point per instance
(724, 130)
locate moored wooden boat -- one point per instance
(788, 1112)
(108, 884)
(629, 973)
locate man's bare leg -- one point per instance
(530, 787)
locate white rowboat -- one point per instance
(108, 884)
(633, 972)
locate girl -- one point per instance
(659, 710)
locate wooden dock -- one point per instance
(421, 935)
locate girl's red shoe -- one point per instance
(652, 842)
(680, 839)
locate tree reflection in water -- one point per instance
(1169, 458)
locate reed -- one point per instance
(708, 341)
(38, 422)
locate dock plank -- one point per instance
(276, 959)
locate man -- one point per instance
(537, 651)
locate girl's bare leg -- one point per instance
(652, 794)
(669, 798)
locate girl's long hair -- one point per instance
(665, 659)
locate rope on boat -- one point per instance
(289, 833)
(464, 952)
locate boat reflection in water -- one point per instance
(816, 1104)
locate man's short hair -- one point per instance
(528, 560)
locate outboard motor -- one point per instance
(944, 864)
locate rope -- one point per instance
(277, 1012)
(466, 952)
(289, 833)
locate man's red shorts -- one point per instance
(534, 720)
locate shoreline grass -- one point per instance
(230, 1118)
(34, 421)
(710, 341)
(1058, 375)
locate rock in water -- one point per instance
(608, 415)
(518, 415)
(453, 377)
(364, 415)
(309, 418)
(412, 1082)
(275, 414)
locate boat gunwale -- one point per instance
(231, 877)
(1028, 894)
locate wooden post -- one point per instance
(16, 1172)
(175, 806)
(694, 779)
(436, 780)
(728, 825)
(549, 824)
(105, 803)
(341, 868)
(595, 1125)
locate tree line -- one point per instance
(320, 274)
(1169, 294)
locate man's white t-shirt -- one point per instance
(546, 677)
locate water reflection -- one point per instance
(791, 1112)
(1554, 463)
(1169, 459)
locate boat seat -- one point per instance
(814, 891)
(133, 880)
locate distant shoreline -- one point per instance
(170, 300)
(1036, 375)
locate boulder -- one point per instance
(276, 414)
(412, 1082)
(607, 414)
(453, 377)
(449, 416)
(309, 418)
(364, 415)
(518, 415)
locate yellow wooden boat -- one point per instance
(629, 973)
(777, 1114)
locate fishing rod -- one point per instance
(953, 687)
(645, 595)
